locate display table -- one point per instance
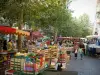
(27, 64)
(94, 46)
(94, 49)
(5, 61)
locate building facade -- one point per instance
(97, 27)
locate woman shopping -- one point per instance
(76, 51)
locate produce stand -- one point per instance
(51, 55)
(27, 64)
(93, 45)
(3, 62)
(63, 57)
(5, 55)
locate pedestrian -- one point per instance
(81, 53)
(45, 46)
(76, 51)
(59, 67)
(81, 45)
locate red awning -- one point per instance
(7, 30)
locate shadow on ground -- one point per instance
(54, 72)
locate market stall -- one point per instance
(70, 42)
(30, 63)
(93, 45)
(51, 54)
(5, 54)
(35, 62)
(27, 64)
(63, 57)
(9, 30)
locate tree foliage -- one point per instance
(51, 16)
(77, 27)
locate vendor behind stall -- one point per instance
(10, 46)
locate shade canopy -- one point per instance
(37, 34)
(20, 32)
(9, 30)
(68, 38)
(92, 36)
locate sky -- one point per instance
(84, 6)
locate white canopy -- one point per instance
(92, 36)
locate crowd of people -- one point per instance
(29, 45)
(78, 48)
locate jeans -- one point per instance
(81, 55)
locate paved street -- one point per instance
(87, 66)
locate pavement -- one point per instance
(87, 66)
(60, 73)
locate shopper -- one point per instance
(81, 53)
(76, 52)
(45, 46)
(59, 68)
(81, 45)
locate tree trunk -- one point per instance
(20, 27)
(55, 35)
(19, 41)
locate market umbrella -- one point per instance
(36, 35)
(9, 30)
